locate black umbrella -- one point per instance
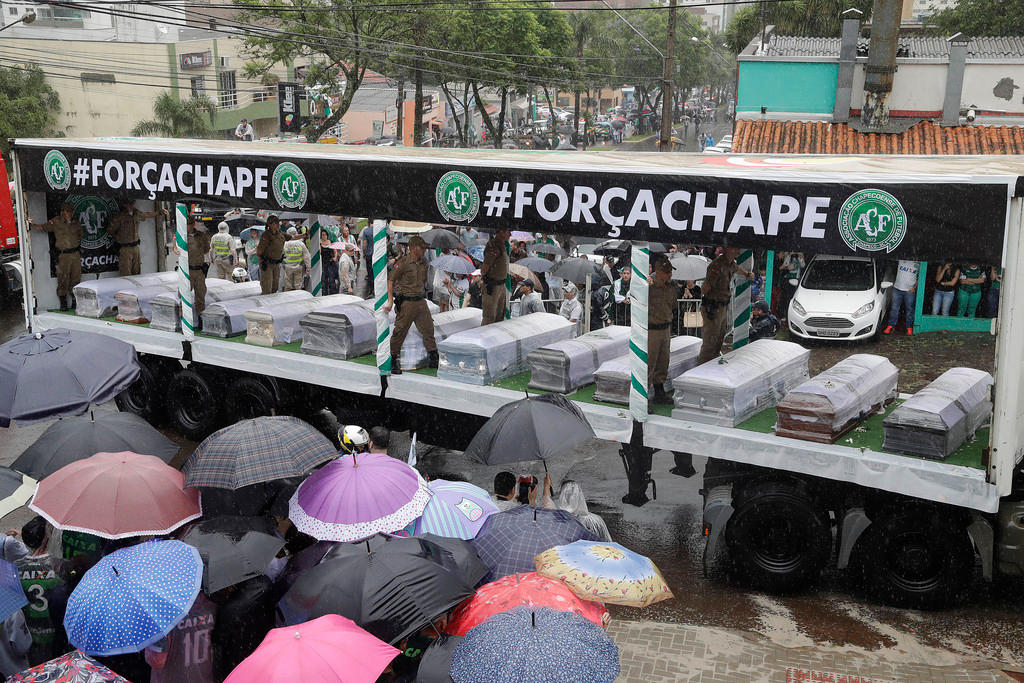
(233, 549)
(454, 554)
(15, 490)
(74, 438)
(248, 501)
(392, 590)
(576, 269)
(469, 565)
(61, 372)
(439, 238)
(436, 662)
(613, 247)
(532, 428)
(545, 248)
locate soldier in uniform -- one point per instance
(661, 303)
(494, 271)
(68, 238)
(125, 229)
(198, 245)
(271, 252)
(223, 256)
(296, 260)
(407, 283)
(714, 306)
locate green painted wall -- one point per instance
(787, 86)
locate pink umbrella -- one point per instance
(520, 236)
(117, 495)
(331, 648)
(343, 245)
(355, 497)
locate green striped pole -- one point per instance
(380, 295)
(188, 321)
(640, 264)
(508, 281)
(741, 302)
(315, 266)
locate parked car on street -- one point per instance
(840, 297)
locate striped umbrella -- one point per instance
(457, 510)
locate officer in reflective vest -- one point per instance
(296, 260)
(222, 256)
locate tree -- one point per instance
(980, 18)
(172, 118)
(28, 105)
(817, 18)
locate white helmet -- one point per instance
(222, 227)
(240, 274)
(354, 439)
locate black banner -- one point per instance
(959, 220)
(99, 250)
(289, 107)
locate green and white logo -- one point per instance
(290, 187)
(94, 213)
(57, 170)
(457, 198)
(872, 220)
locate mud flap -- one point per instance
(717, 511)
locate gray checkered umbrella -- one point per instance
(510, 540)
(257, 450)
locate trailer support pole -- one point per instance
(638, 386)
(508, 282)
(380, 295)
(741, 302)
(188, 311)
(316, 266)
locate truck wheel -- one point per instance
(779, 538)
(194, 407)
(915, 557)
(249, 397)
(143, 397)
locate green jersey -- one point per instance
(39, 578)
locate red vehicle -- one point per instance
(8, 225)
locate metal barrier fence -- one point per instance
(687, 319)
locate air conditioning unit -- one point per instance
(224, 62)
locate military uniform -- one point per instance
(408, 283)
(67, 240)
(661, 304)
(494, 295)
(271, 251)
(296, 261)
(198, 245)
(221, 265)
(714, 306)
(125, 229)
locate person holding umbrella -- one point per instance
(407, 283)
(67, 234)
(494, 271)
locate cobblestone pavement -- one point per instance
(655, 652)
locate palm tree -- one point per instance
(192, 118)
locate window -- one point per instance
(199, 86)
(228, 90)
(13, 11)
(840, 276)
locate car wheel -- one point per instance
(194, 406)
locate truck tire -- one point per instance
(250, 397)
(144, 397)
(915, 557)
(194, 407)
(779, 538)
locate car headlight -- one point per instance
(798, 308)
(864, 310)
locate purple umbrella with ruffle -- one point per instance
(357, 496)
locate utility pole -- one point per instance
(667, 101)
(878, 74)
(401, 111)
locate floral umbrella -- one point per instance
(604, 571)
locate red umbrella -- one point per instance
(117, 495)
(532, 590)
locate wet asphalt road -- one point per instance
(832, 614)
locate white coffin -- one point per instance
(935, 421)
(95, 298)
(414, 353)
(829, 404)
(278, 323)
(499, 350)
(227, 318)
(135, 305)
(166, 308)
(566, 366)
(350, 330)
(730, 389)
(611, 381)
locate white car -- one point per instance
(840, 297)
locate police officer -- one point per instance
(198, 245)
(296, 260)
(67, 234)
(270, 251)
(661, 303)
(222, 261)
(494, 271)
(125, 229)
(407, 291)
(714, 306)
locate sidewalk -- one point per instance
(655, 652)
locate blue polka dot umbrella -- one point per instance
(133, 597)
(538, 644)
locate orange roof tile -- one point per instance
(820, 137)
